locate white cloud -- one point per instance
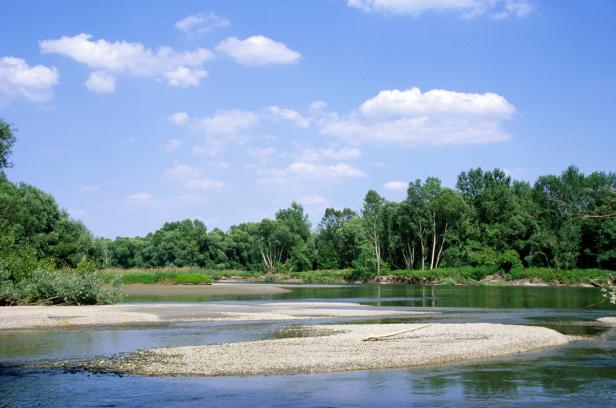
(185, 77)
(100, 82)
(19, 80)
(191, 178)
(331, 153)
(226, 122)
(278, 113)
(301, 171)
(202, 23)
(218, 164)
(172, 145)
(437, 101)
(139, 198)
(261, 152)
(435, 117)
(317, 106)
(514, 8)
(396, 185)
(497, 9)
(179, 118)
(324, 170)
(313, 201)
(179, 68)
(182, 171)
(257, 51)
(203, 185)
(207, 150)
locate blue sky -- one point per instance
(133, 113)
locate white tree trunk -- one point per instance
(433, 240)
(440, 250)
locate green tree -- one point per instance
(7, 139)
(372, 213)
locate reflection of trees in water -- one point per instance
(583, 371)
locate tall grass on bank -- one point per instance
(467, 275)
(171, 278)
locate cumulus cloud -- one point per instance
(19, 80)
(185, 77)
(290, 115)
(437, 101)
(139, 198)
(257, 51)
(226, 122)
(412, 117)
(178, 68)
(101, 82)
(191, 178)
(396, 185)
(201, 23)
(230, 126)
(497, 9)
(179, 118)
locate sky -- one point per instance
(135, 113)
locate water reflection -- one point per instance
(426, 296)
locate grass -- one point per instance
(466, 275)
(160, 276)
(471, 275)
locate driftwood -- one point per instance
(385, 336)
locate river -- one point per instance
(582, 373)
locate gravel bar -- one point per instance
(331, 348)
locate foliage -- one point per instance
(26, 279)
(166, 277)
(7, 139)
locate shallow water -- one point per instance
(580, 374)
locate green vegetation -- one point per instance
(559, 229)
(26, 279)
(163, 276)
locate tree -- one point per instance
(372, 213)
(7, 139)
(331, 242)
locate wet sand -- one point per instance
(337, 348)
(27, 317)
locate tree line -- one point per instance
(488, 220)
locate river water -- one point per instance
(580, 374)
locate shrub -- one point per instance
(509, 260)
(25, 279)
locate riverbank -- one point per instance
(442, 276)
(32, 317)
(337, 348)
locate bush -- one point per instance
(509, 260)
(25, 279)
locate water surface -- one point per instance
(579, 374)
